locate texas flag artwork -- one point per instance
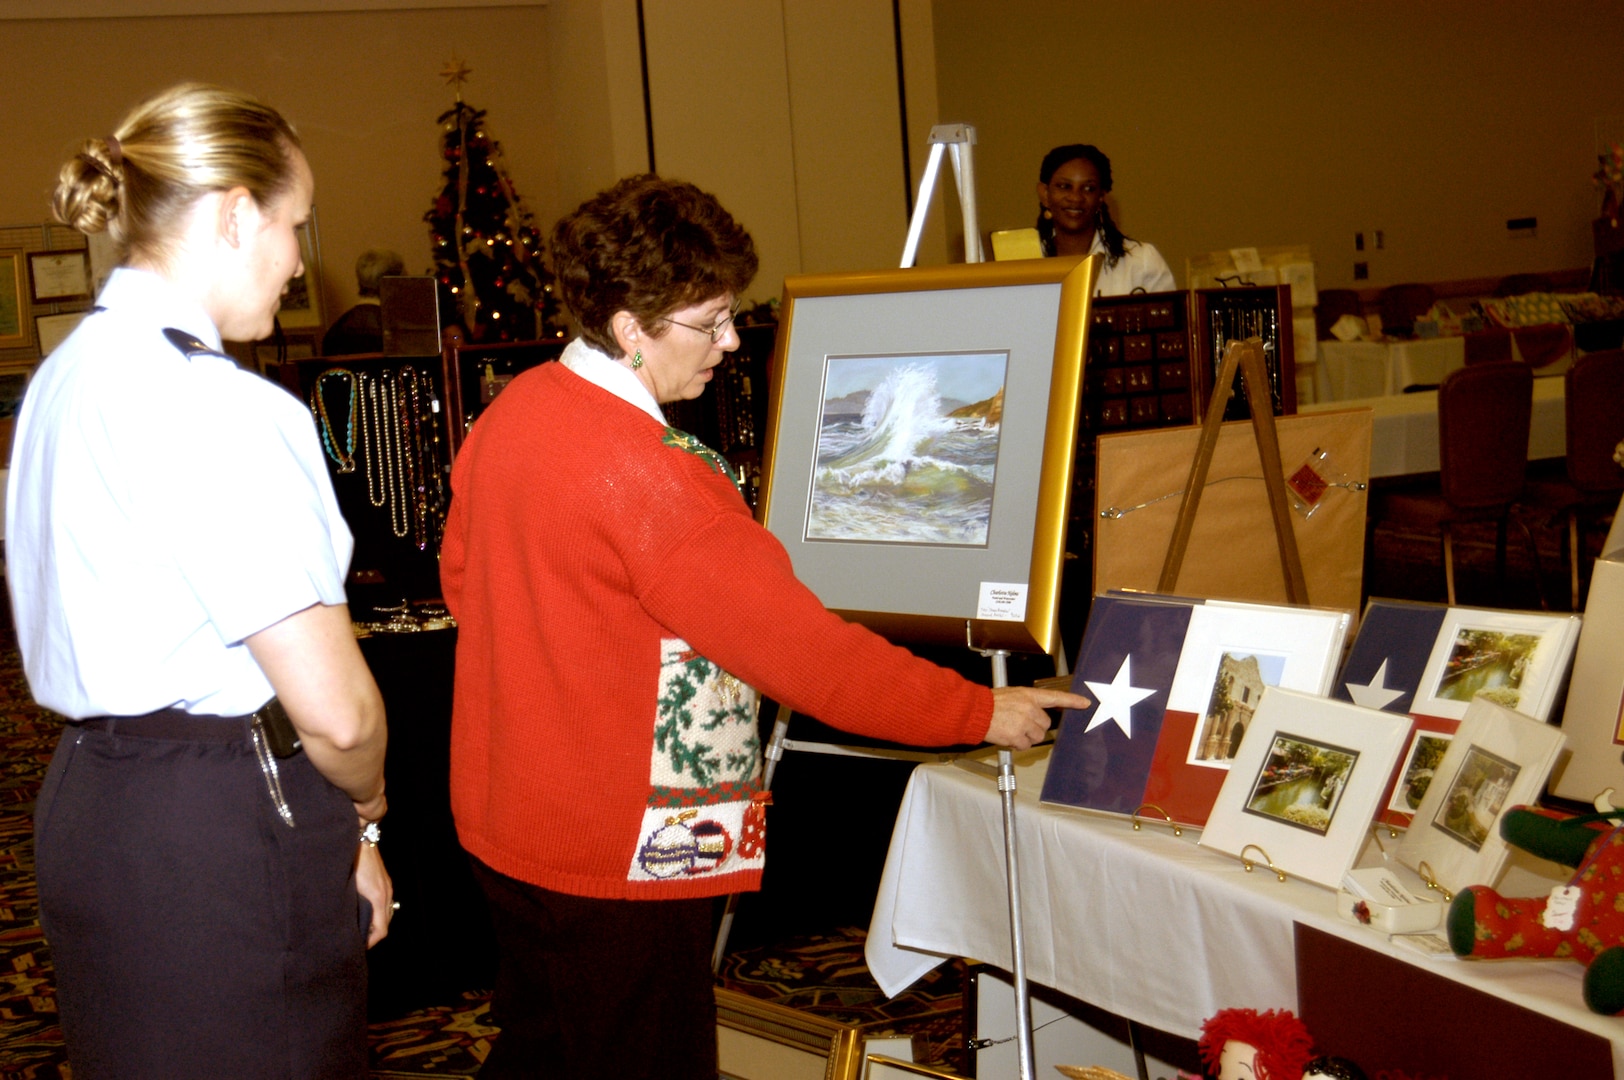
(1126, 665)
(1175, 682)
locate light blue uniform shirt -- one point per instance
(160, 509)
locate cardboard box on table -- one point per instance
(1594, 718)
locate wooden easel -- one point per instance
(1247, 356)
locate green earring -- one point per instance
(637, 360)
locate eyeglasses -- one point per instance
(716, 331)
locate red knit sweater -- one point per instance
(608, 584)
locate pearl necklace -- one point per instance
(396, 467)
(372, 442)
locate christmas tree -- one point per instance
(487, 250)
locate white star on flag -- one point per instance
(1376, 695)
(1116, 700)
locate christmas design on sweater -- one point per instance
(704, 815)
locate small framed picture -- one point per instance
(13, 301)
(13, 383)
(1423, 754)
(1498, 759)
(1305, 785)
(58, 276)
(51, 330)
(301, 304)
(1513, 658)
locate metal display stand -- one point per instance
(955, 139)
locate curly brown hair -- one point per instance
(648, 246)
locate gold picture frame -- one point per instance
(762, 1040)
(991, 579)
(14, 315)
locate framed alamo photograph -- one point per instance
(1305, 784)
(1514, 658)
(1498, 759)
(922, 437)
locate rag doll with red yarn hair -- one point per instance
(1244, 1044)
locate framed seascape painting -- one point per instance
(1303, 789)
(922, 435)
(1498, 759)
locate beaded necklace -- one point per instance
(372, 442)
(345, 458)
(396, 467)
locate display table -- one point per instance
(1363, 369)
(1140, 923)
(1405, 441)
(440, 943)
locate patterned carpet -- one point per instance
(821, 974)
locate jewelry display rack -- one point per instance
(382, 423)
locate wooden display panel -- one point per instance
(1231, 553)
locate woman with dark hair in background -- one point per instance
(618, 610)
(1073, 219)
(206, 853)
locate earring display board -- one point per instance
(1225, 315)
(1140, 475)
(477, 373)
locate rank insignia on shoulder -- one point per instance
(190, 345)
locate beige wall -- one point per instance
(363, 89)
(789, 110)
(1264, 122)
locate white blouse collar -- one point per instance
(602, 370)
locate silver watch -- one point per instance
(370, 834)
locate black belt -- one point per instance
(267, 729)
(172, 723)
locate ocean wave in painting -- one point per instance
(906, 469)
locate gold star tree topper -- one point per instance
(455, 73)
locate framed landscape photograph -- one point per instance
(1305, 785)
(13, 301)
(922, 437)
(1516, 659)
(1499, 758)
(1417, 767)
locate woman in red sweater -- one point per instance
(619, 609)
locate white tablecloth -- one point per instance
(1405, 440)
(1363, 369)
(1142, 924)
